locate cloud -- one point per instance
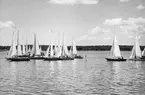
(113, 22)
(91, 35)
(140, 7)
(124, 0)
(8, 24)
(120, 21)
(73, 1)
(98, 29)
(107, 38)
(82, 37)
(128, 25)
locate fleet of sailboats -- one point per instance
(59, 50)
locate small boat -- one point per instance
(136, 54)
(115, 54)
(35, 52)
(78, 57)
(73, 51)
(66, 58)
(116, 59)
(15, 54)
(19, 58)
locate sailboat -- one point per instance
(51, 53)
(15, 52)
(73, 51)
(136, 54)
(115, 54)
(64, 51)
(35, 52)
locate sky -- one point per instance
(88, 22)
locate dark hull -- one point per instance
(111, 59)
(66, 58)
(19, 59)
(37, 57)
(136, 59)
(52, 59)
(78, 57)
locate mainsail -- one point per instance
(136, 52)
(143, 52)
(115, 51)
(74, 48)
(13, 50)
(35, 49)
(24, 50)
(47, 52)
(19, 49)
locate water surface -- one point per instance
(92, 75)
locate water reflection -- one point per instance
(95, 76)
(126, 77)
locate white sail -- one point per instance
(35, 49)
(47, 52)
(136, 52)
(59, 51)
(115, 50)
(13, 50)
(24, 50)
(74, 51)
(51, 50)
(143, 52)
(64, 48)
(19, 49)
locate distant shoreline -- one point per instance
(84, 48)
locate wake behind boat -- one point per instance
(115, 54)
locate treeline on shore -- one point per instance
(84, 48)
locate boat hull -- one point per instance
(52, 59)
(112, 59)
(78, 57)
(140, 59)
(66, 58)
(36, 57)
(19, 59)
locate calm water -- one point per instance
(92, 75)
